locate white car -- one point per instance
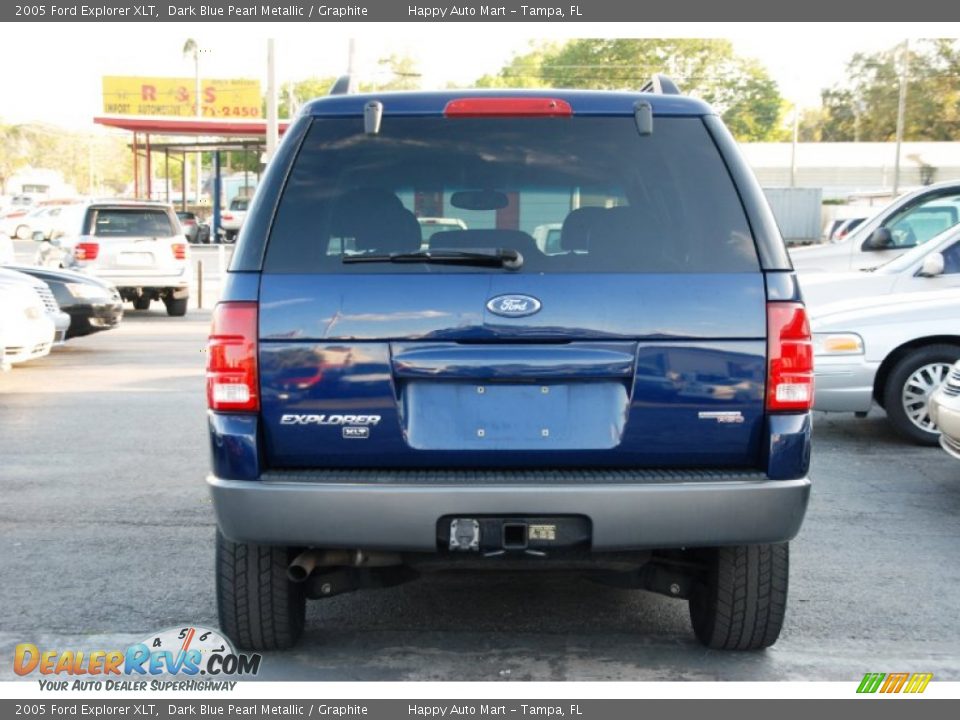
(231, 219)
(7, 254)
(893, 350)
(912, 219)
(137, 246)
(547, 237)
(945, 411)
(14, 223)
(27, 331)
(935, 265)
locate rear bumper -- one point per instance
(403, 517)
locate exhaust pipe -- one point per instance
(306, 562)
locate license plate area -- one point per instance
(531, 535)
(135, 259)
(508, 416)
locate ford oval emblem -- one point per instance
(513, 305)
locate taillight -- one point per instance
(226, 216)
(86, 251)
(179, 251)
(507, 107)
(232, 379)
(790, 357)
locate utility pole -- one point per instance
(271, 101)
(793, 146)
(901, 112)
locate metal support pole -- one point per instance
(136, 168)
(215, 230)
(901, 113)
(149, 167)
(200, 284)
(183, 181)
(271, 101)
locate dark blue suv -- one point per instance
(630, 400)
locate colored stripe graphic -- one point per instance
(918, 682)
(894, 682)
(870, 683)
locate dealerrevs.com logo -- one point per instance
(187, 652)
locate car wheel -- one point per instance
(259, 608)
(909, 386)
(22, 232)
(176, 307)
(741, 600)
(141, 302)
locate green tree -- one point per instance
(739, 88)
(864, 108)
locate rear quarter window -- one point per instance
(614, 200)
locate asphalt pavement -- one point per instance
(106, 534)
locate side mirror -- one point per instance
(880, 239)
(932, 265)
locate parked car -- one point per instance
(231, 220)
(892, 350)
(431, 225)
(190, 224)
(912, 219)
(547, 237)
(935, 265)
(631, 405)
(14, 223)
(7, 253)
(27, 330)
(92, 304)
(846, 227)
(137, 246)
(945, 411)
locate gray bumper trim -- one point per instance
(404, 517)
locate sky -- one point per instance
(51, 72)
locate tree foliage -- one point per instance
(865, 106)
(81, 157)
(739, 88)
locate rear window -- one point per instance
(239, 203)
(129, 222)
(582, 194)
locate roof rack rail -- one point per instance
(344, 85)
(661, 85)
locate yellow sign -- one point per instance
(174, 97)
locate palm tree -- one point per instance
(191, 48)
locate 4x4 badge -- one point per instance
(513, 305)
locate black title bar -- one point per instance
(553, 11)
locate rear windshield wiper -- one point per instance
(494, 257)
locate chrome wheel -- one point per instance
(917, 390)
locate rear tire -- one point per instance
(176, 307)
(741, 601)
(142, 302)
(916, 376)
(259, 608)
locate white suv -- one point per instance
(137, 246)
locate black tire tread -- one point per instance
(259, 608)
(742, 603)
(177, 307)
